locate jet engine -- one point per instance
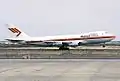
(75, 44)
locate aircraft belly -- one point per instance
(95, 41)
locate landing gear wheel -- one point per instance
(103, 46)
(63, 48)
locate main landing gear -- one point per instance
(63, 47)
(103, 45)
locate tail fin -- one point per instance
(15, 30)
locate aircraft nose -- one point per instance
(113, 37)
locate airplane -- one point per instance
(63, 41)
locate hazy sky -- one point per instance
(54, 17)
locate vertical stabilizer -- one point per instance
(16, 31)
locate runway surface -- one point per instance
(60, 70)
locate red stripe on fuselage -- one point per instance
(82, 38)
(71, 39)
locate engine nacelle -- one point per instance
(75, 44)
(57, 43)
(67, 43)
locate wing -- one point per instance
(66, 43)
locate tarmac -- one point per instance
(60, 70)
(81, 52)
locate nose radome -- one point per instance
(114, 37)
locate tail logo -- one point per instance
(15, 30)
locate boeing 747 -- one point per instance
(62, 41)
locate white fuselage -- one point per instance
(86, 38)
